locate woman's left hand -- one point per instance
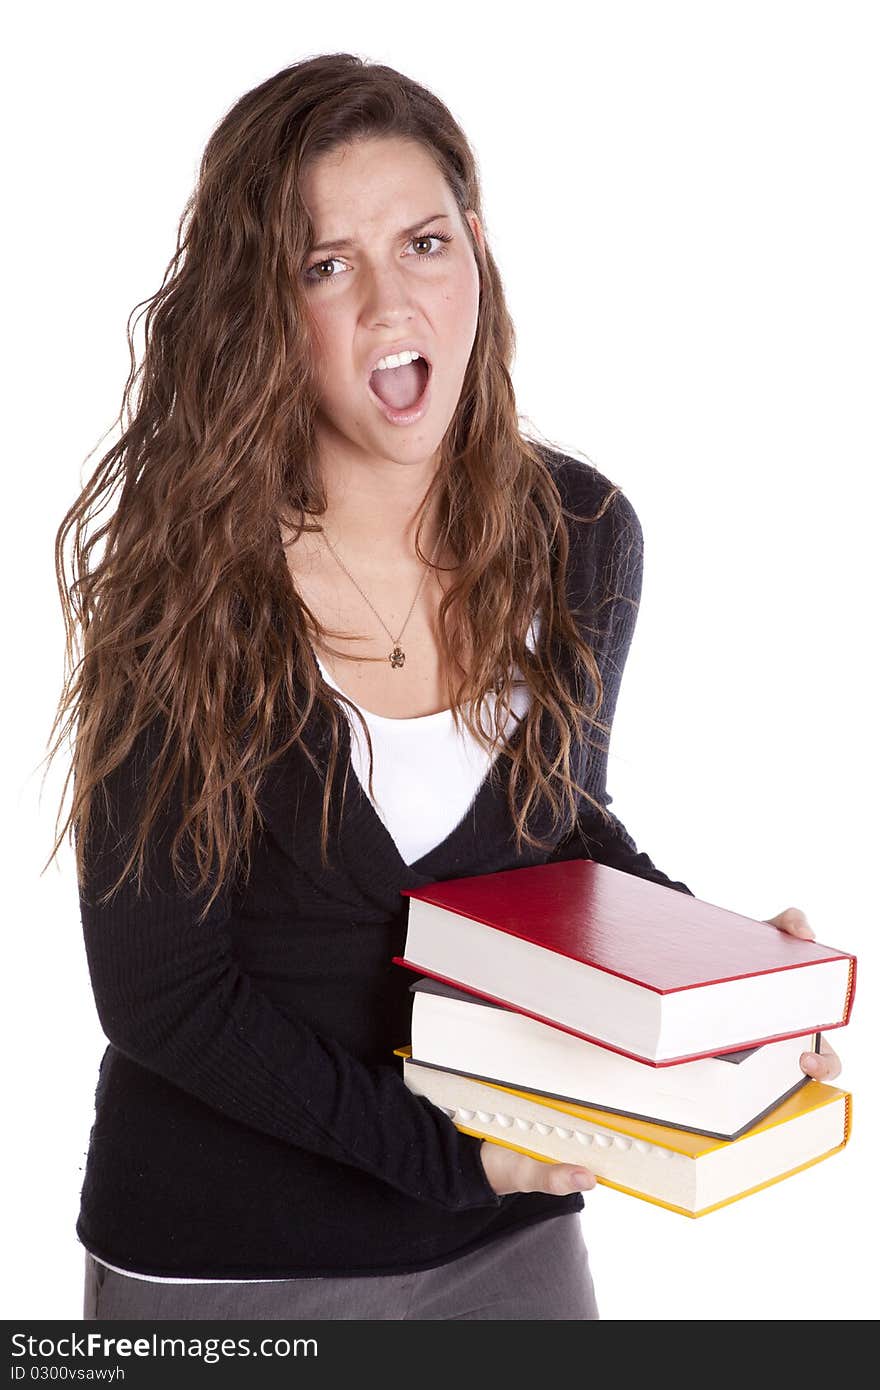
(824, 1066)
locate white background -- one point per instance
(683, 201)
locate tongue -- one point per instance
(400, 387)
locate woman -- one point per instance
(333, 551)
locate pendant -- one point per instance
(397, 658)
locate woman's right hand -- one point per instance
(510, 1171)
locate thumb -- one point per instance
(563, 1180)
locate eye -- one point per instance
(439, 251)
(328, 260)
(431, 236)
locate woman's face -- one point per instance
(379, 279)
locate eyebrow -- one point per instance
(404, 231)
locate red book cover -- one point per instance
(641, 931)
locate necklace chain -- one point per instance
(397, 656)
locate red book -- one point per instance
(635, 966)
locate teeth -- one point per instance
(398, 359)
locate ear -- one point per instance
(476, 228)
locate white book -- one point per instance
(717, 1096)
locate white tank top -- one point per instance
(425, 772)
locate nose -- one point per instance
(387, 294)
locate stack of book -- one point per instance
(583, 1015)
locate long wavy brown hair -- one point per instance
(189, 616)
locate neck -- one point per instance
(373, 509)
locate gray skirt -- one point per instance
(538, 1273)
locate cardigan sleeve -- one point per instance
(609, 553)
(172, 996)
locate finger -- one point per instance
(511, 1171)
(582, 1179)
(794, 921)
(561, 1180)
(822, 1066)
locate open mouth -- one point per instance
(401, 389)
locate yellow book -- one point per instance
(674, 1168)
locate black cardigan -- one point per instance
(251, 1119)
